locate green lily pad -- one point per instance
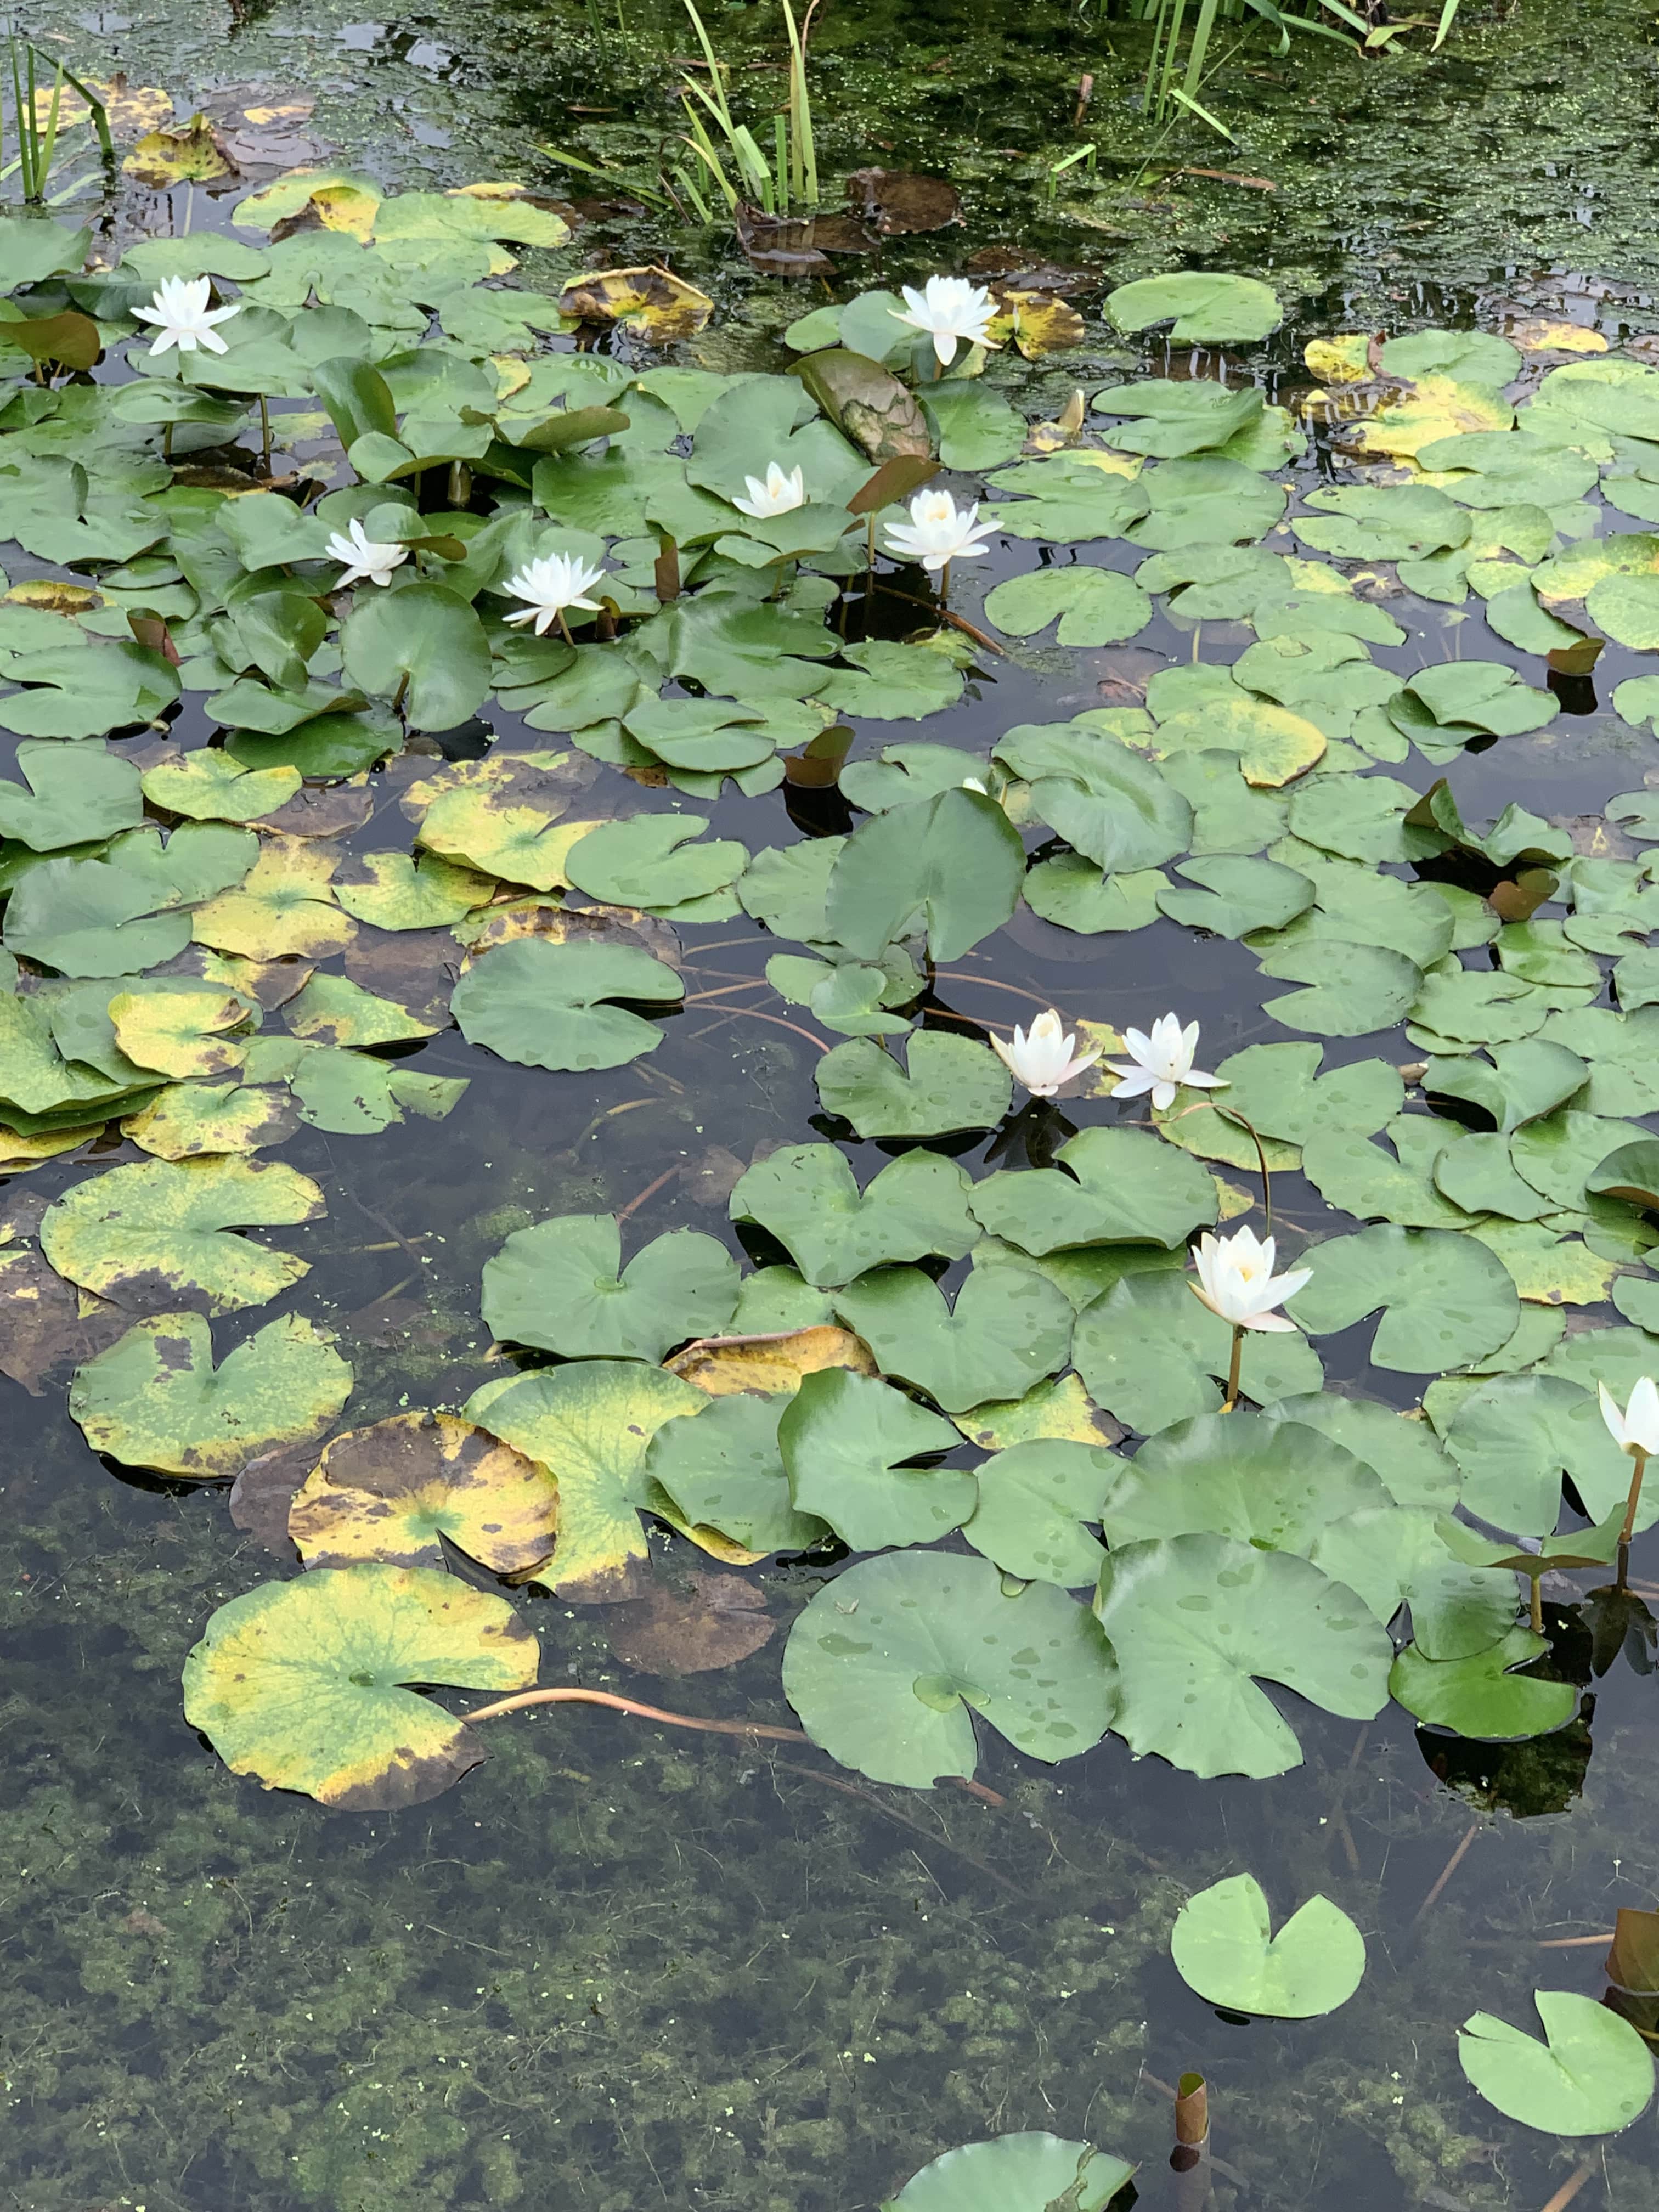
(888, 682)
(1095, 606)
(1383, 522)
(888, 1663)
(1208, 307)
(949, 1082)
(1015, 2173)
(92, 918)
(158, 1234)
(1005, 1330)
(1099, 796)
(1514, 1436)
(1446, 1300)
(1035, 1501)
(1236, 894)
(560, 1285)
(951, 865)
(1244, 1476)
(1071, 892)
(422, 646)
(1479, 1697)
(1526, 1079)
(302, 1684)
(1223, 1949)
(1394, 1556)
(544, 1004)
(1488, 695)
(154, 1398)
(1351, 989)
(807, 1196)
(591, 1423)
(77, 795)
(1149, 1354)
(651, 862)
(355, 1094)
(1402, 1452)
(1591, 2075)
(1195, 1619)
(845, 1438)
(1123, 1186)
(724, 1471)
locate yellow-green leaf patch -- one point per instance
(392, 1492)
(158, 1233)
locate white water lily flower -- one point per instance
(180, 310)
(778, 494)
(1163, 1062)
(1636, 1429)
(367, 559)
(938, 532)
(551, 585)
(952, 312)
(1235, 1279)
(1045, 1057)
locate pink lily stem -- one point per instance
(1629, 1528)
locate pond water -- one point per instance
(620, 1964)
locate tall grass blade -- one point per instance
(1447, 17)
(1203, 114)
(1192, 82)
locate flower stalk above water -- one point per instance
(1045, 1056)
(1236, 1280)
(1636, 1432)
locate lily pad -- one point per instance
(1270, 1483)
(724, 1471)
(394, 1491)
(423, 647)
(1203, 307)
(888, 1663)
(156, 1234)
(652, 861)
(1195, 1619)
(560, 1286)
(1223, 1949)
(155, 1400)
(1094, 606)
(302, 1684)
(1005, 1330)
(951, 865)
(283, 908)
(844, 1440)
(1478, 1696)
(1591, 2075)
(807, 1196)
(1151, 1354)
(1446, 1300)
(949, 1082)
(1113, 1185)
(1015, 2173)
(590, 1424)
(1035, 1501)
(92, 918)
(550, 1006)
(77, 795)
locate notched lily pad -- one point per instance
(392, 1492)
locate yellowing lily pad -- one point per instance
(589, 1423)
(771, 1366)
(1538, 334)
(332, 1010)
(301, 1683)
(191, 1121)
(390, 1492)
(155, 1400)
(1037, 322)
(194, 155)
(1055, 1407)
(1434, 407)
(524, 844)
(212, 785)
(390, 890)
(284, 907)
(158, 1233)
(1343, 359)
(1273, 745)
(652, 303)
(182, 1033)
(18, 1154)
(332, 192)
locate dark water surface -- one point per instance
(621, 1966)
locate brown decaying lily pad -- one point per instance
(714, 1622)
(876, 412)
(416, 969)
(389, 1492)
(770, 1364)
(898, 201)
(653, 303)
(262, 1493)
(568, 924)
(42, 1326)
(799, 245)
(335, 811)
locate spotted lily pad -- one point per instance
(1446, 1300)
(1005, 1331)
(154, 1398)
(845, 1441)
(888, 1663)
(552, 1005)
(158, 1233)
(807, 1196)
(303, 1684)
(392, 1492)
